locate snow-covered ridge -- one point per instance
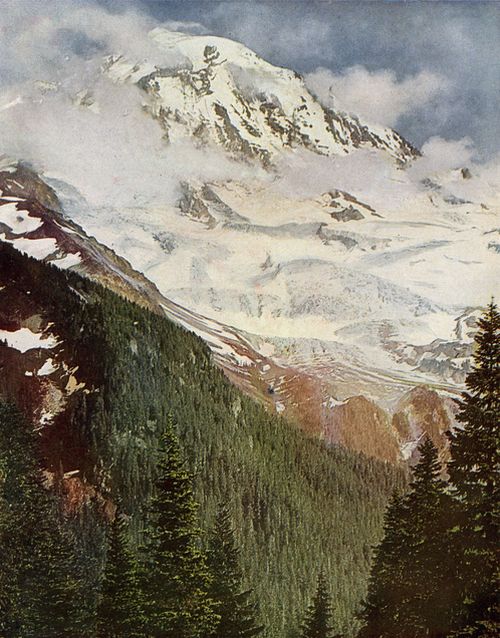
(221, 91)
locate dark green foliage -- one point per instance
(432, 563)
(387, 579)
(413, 581)
(119, 614)
(475, 470)
(318, 618)
(175, 577)
(487, 627)
(289, 492)
(436, 572)
(238, 613)
(38, 576)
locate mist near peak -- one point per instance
(61, 114)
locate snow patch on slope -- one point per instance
(25, 339)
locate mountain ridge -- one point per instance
(226, 94)
(309, 287)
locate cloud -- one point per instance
(52, 40)
(187, 27)
(439, 155)
(376, 180)
(106, 145)
(376, 96)
(113, 152)
(369, 175)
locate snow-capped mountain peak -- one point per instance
(219, 91)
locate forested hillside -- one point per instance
(297, 505)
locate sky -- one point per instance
(427, 68)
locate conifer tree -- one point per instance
(119, 611)
(175, 576)
(37, 566)
(412, 586)
(317, 621)
(388, 575)
(430, 561)
(233, 603)
(474, 470)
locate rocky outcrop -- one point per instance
(347, 214)
(421, 413)
(361, 425)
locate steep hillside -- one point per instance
(97, 376)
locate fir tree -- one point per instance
(233, 603)
(474, 471)
(412, 586)
(119, 611)
(175, 576)
(430, 561)
(317, 621)
(40, 583)
(388, 575)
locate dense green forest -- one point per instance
(296, 507)
(227, 520)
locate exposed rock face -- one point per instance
(194, 206)
(360, 424)
(423, 412)
(347, 214)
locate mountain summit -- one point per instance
(221, 91)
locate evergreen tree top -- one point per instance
(475, 447)
(484, 379)
(426, 474)
(317, 622)
(238, 613)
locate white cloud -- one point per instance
(53, 39)
(376, 96)
(114, 152)
(439, 155)
(375, 179)
(186, 27)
